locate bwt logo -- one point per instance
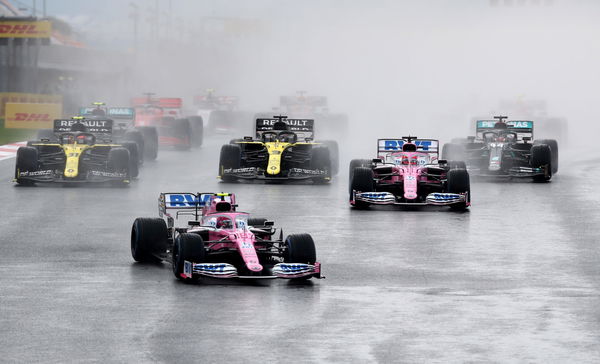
(23, 116)
(397, 144)
(187, 200)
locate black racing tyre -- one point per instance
(257, 221)
(300, 248)
(457, 165)
(150, 135)
(355, 163)
(321, 159)
(188, 247)
(134, 157)
(46, 134)
(458, 181)
(553, 144)
(541, 157)
(27, 160)
(231, 156)
(197, 126)
(362, 181)
(453, 151)
(118, 160)
(183, 131)
(137, 137)
(334, 153)
(148, 237)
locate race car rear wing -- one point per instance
(523, 128)
(386, 147)
(94, 126)
(304, 128)
(187, 203)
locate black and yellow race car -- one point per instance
(82, 152)
(283, 149)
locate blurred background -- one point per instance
(395, 67)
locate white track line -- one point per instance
(10, 150)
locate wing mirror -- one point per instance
(194, 223)
(377, 160)
(269, 223)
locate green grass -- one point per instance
(14, 135)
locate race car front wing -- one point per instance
(259, 173)
(387, 198)
(226, 270)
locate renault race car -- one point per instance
(82, 152)
(218, 241)
(175, 129)
(502, 148)
(283, 150)
(124, 128)
(407, 171)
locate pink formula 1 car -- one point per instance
(218, 241)
(407, 171)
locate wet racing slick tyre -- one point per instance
(183, 131)
(118, 161)
(362, 181)
(148, 239)
(150, 135)
(187, 247)
(553, 144)
(197, 127)
(453, 151)
(27, 160)
(257, 222)
(134, 157)
(541, 157)
(137, 137)
(458, 182)
(300, 248)
(46, 134)
(321, 160)
(334, 153)
(456, 165)
(355, 163)
(230, 158)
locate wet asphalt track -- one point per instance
(516, 279)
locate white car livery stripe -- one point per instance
(10, 150)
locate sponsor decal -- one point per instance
(316, 172)
(105, 174)
(121, 112)
(186, 200)
(187, 269)
(396, 144)
(35, 173)
(517, 124)
(25, 29)
(30, 115)
(240, 170)
(92, 125)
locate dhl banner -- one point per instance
(25, 29)
(31, 116)
(21, 97)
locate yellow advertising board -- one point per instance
(22, 97)
(25, 29)
(31, 116)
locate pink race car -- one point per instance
(407, 171)
(218, 241)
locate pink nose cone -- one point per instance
(255, 267)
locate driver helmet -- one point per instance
(280, 125)
(223, 223)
